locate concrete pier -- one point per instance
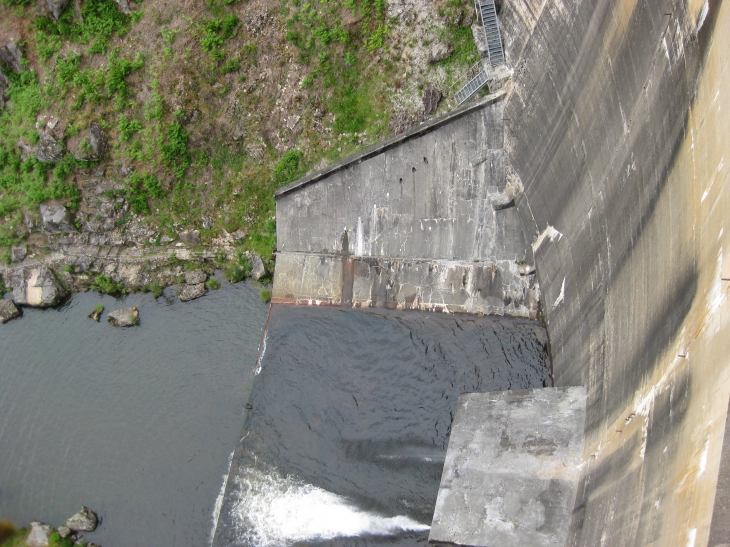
(511, 469)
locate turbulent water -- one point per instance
(350, 416)
(137, 423)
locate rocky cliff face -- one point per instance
(616, 129)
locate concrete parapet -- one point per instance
(511, 469)
(435, 285)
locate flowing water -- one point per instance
(137, 424)
(349, 420)
(343, 444)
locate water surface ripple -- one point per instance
(137, 423)
(350, 419)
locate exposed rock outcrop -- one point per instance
(64, 531)
(90, 147)
(47, 150)
(36, 287)
(39, 534)
(18, 253)
(431, 99)
(96, 314)
(85, 520)
(123, 6)
(191, 292)
(440, 52)
(258, 270)
(190, 236)
(8, 311)
(4, 84)
(195, 277)
(11, 57)
(55, 218)
(56, 7)
(126, 317)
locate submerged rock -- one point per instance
(85, 520)
(37, 287)
(96, 314)
(39, 534)
(55, 218)
(64, 531)
(126, 317)
(8, 311)
(191, 292)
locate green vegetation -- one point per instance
(213, 284)
(99, 308)
(106, 285)
(206, 116)
(265, 296)
(17, 538)
(155, 288)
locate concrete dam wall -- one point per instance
(617, 128)
(610, 142)
(423, 221)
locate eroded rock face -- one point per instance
(123, 6)
(191, 292)
(36, 287)
(47, 150)
(18, 253)
(85, 520)
(196, 277)
(126, 317)
(39, 534)
(11, 57)
(440, 52)
(56, 7)
(431, 99)
(190, 236)
(8, 311)
(55, 218)
(4, 84)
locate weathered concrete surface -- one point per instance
(617, 128)
(511, 469)
(425, 195)
(433, 285)
(434, 194)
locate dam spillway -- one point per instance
(609, 145)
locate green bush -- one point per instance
(213, 284)
(175, 150)
(106, 285)
(265, 296)
(155, 288)
(290, 167)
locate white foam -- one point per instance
(219, 501)
(273, 511)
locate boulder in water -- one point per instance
(85, 520)
(37, 287)
(64, 531)
(39, 535)
(191, 292)
(126, 317)
(8, 311)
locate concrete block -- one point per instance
(512, 468)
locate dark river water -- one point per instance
(137, 424)
(349, 420)
(344, 430)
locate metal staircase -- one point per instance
(488, 12)
(476, 79)
(475, 83)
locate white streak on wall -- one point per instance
(561, 296)
(548, 232)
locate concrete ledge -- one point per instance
(495, 288)
(381, 147)
(511, 470)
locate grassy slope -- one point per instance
(211, 105)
